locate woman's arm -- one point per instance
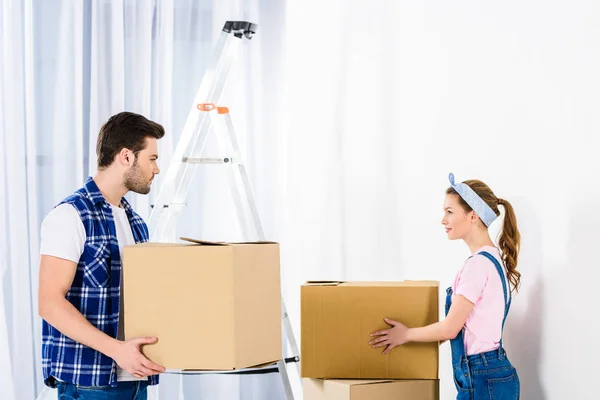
(443, 330)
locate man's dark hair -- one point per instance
(125, 130)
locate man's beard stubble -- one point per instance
(135, 182)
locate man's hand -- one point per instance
(395, 336)
(128, 356)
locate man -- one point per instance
(84, 353)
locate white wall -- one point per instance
(386, 98)
(350, 142)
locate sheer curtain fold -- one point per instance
(66, 66)
(17, 335)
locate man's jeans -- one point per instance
(135, 390)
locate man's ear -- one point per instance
(126, 157)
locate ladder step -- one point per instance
(246, 371)
(208, 160)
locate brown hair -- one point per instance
(124, 130)
(510, 238)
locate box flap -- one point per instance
(256, 242)
(323, 283)
(394, 283)
(204, 242)
(372, 284)
(357, 382)
(209, 243)
(236, 370)
(158, 244)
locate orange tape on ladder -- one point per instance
(211, 107)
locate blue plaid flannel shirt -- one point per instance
(95, 292)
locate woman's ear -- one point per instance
(473, 217)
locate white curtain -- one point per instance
(19, 328)
(68, 65)
(350, 119)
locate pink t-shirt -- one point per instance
(479, 282)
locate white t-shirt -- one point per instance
(63, 236)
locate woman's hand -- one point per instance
(397, 335)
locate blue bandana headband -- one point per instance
(485, 212)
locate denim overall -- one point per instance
(484, 376)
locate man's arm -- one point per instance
(56, 277)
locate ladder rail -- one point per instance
(260, 233)
(188, 154)
(287, 326)
(211, 87)
(235, 192)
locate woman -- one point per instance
(479, 300)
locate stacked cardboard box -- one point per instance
(353, 389)
(337, 361)
(212, 306)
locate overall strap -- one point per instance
(506, 289)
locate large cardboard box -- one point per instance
(212, 306)
(336, 389)
(338, 317)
